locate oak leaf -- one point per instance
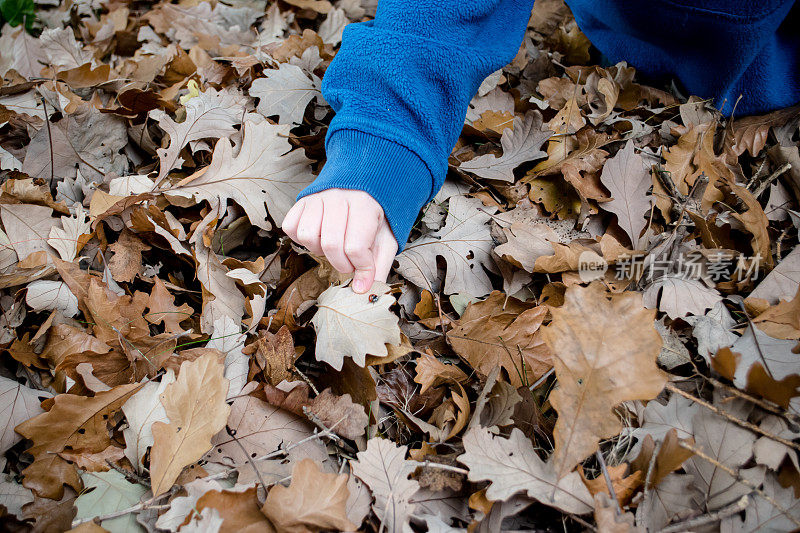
(521, 143)
(313, 501)
(346, 418)
(162, 309)
(526, 243)
(513, 466)
(464, 242)
(211, 114)
(503, 331)
(729, 444)
(604, 353)
(87, 142)
(196, 408)
(385, 470)
(260, 429)
(625, 176)
(126, 263)
(285, 92)
(75, 422)
(431, 372)
(352, 325)
(265, 170)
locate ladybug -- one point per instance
(373, 298)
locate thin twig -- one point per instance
(752, 399)
(710, 518)
(609, 483)
(138, 507)
(440, 466)
(747, 483)
(772, 177)
(50, 139)
(132, 476)
(743, 423)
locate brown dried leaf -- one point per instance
(126, 263)
(347, 419)
(604, 353)
(313, 501)
(503, 331)
(74, 422)
(196, 408)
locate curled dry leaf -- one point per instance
(604, 353)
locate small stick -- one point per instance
(440, 466)
(743, 423)
(710, 518)
(138, 507)
(743, 481)
(758, 401)
(609, 483)
(128, 474)
(772, 177)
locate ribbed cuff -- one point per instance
(391, 173)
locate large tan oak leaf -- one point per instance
(604, 353)
(196, 408)
(74, 422)
(352, 325)
(265, 170)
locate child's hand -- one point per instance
(349, 227)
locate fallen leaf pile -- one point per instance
(595, 323)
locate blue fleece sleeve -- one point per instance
(400, 86)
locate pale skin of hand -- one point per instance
(349, 228)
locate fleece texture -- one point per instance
(401, 83)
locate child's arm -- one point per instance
(400, 86)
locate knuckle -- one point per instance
(305, 235)
(355, 249)
(329, 245)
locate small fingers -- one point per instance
(384, 251)
(360, 237)
(292, 219)
(308, 230)
(334, 225)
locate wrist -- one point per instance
(389, 172)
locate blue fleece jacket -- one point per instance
(401, 83)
